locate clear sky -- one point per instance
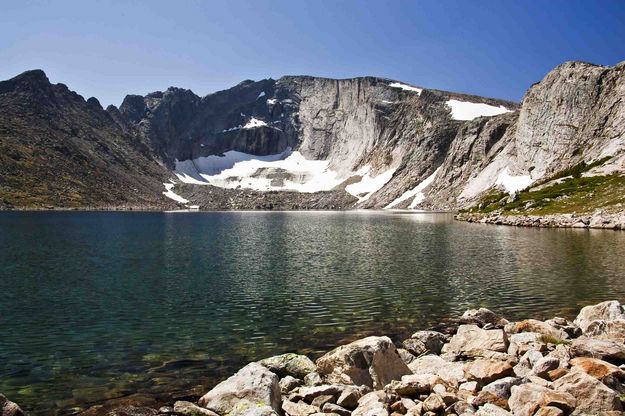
(498, 48)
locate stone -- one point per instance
(313, 379)
(129, 410)
(483, 316)
(190, 409)
(591, 394)
(469, 386)
(321, 400)
(372, 361)
(604, 311)
(406, 356)
(8, 408)
(491, 410)
(561, 352)
(293, 365)
(253, 384)
(335, 408)
(349, 398)
(485, 371)
(599, 369)
(527, 398)
(309, 393)
(549, 411)
(522, 342)
(289, 383)
(462, 407)
(544, 365)
(485, 397)
(434, 403)
(473, 341)
(557, 373)
(432, 341)
(371, 404)
(413, 384)
(540, 327)
(606, 350)
(527, 362)
(298, 409)
(502, 386)
(451, 373)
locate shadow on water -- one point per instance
(149, 306)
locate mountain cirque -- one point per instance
(302, 142)
(481, 364)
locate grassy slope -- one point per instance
(571, 193)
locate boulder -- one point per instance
(289, 383)
(544, 365)
(604, 311)
(591, 394)
(451, 373)
(313, 379)
(349, 397)
(491, 410)
(599, 369)
(372, 361)
(483, 316)
(413, 384)
(484, 397)
(469, 386)
(528, 398)
(8, 408)
(549, 411)
(427, 342)
(293, 365)
(433, 403)
(502, 386)
(485, 371)
(607, 330)
(543, 328)
(527, 362)
(190, 409)
(309, 393)
(371, 404)
(406, 356)
(298, 409)
(473, 341)
(335, 408)
(253, 386)
(602, 349)
(319, 401)
(524, 341)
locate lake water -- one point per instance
(97, 306)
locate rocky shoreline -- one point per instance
(480, 364)
(603, 221)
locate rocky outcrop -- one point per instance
(531, 375)
(8, 408)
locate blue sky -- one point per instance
(108, 49)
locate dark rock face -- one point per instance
(58, 150)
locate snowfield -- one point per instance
(169, 193)
(369, 185)
(511, 183)
(405, 87)
(463, 110)
(416, 193)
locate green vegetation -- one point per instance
(571, 193)
(550, 339)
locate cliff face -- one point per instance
(368, 142)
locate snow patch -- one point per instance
(272, 101)
(511, 183)
(261, 95)
(287, 171)
(254, 123)
(169, 193)
(406, 87)
(463, 110)
(416, 193)
(369, 185)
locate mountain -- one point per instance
(303, 142)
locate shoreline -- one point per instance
(479, 363)
(580, 221)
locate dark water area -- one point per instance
(97, 306)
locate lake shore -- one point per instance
(479, 363)
(604, 221)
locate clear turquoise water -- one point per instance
(95, 306)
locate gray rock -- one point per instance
(371, 361)
(472, 341)
(334, 408)
(349, 397)
(313, 379)
(483, 316)
(502, 386)
(592, 395)
(491, 410)
(544, 365)
(8, 408)
(190, 409)
(288, 383)
(294, 365)
(526, 399)
(431, 342)
(253, 386)
(607, 350)
(298, 409)
(604, 311)
(372, 404)
(434, 403)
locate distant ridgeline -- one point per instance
(303, 142)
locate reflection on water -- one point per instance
(102, 305)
